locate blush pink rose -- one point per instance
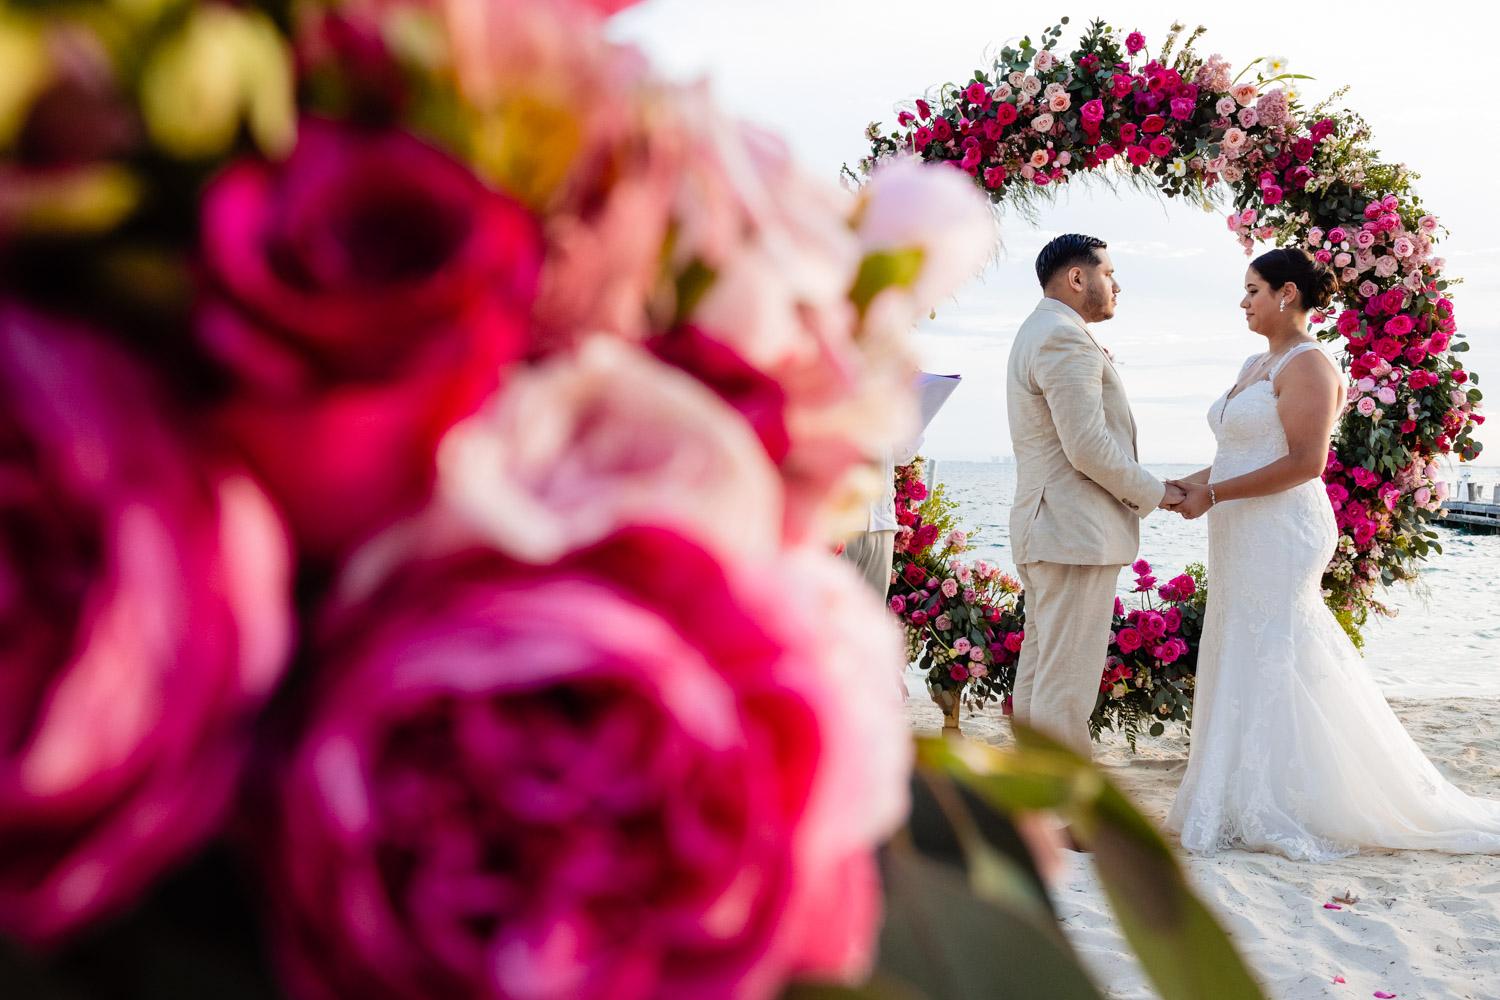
(631, 774)
(580, 446)
(1243, 93)
(365, 294)
(1059, 103)
(144, 618)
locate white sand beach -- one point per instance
(1426, 926)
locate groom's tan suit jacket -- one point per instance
(1080, 492)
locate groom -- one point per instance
(1080, 493)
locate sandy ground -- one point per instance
(1426, 927)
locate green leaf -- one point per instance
(882, 269)
(946, 941)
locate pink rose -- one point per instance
(1225, 106)
(1243, 93)
(1364, 239)
(366, 293)
(1139, 155)
(1059, 103)
(501, 757)
(1366, 406)
(1042, 123)
(942, 623)
(897, 603)
(1248, 117)
(960, 645)
(145, 610)
(1386, 395)
(950, 587)
(584, 444)
(1014, 640)
(1092, 111)
(976, 93)
(1234, 138)
(977, 656)
(1134, 42)
(1128, 640)
(1368, 289)
(958, 542)
(1428, 224)
(1160, 146)
(1403, 246)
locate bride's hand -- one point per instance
(1198, 500)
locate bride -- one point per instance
(1294, 749)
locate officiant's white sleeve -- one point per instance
(1069, 369)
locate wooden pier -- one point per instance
(1467, 507)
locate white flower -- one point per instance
(1178, 168)
(1277, 64)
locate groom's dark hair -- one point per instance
(1068, 250)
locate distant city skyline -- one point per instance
(818, 73)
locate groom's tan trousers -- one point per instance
(1068, 613)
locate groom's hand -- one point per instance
(1197, 502)
(1174, 496)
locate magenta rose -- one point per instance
(633, 774)
(366, 294)
(1128, 132)
(1128, 639)
(144, 617)
(1160, 146)
(1134, 42)
(1005, 114)
(1153, 123)
(1138, 155)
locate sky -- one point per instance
(818, 71)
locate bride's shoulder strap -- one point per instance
(1300, 349)
(1248, 362)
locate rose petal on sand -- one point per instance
(1338, 979)
(1332, 906)
(1383, 995)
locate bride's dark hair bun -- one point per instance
(1313, 278)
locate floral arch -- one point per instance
(1187, 127)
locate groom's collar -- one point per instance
(1064, 310)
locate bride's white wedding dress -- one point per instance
(1294, 749)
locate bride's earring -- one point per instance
(1281, 306)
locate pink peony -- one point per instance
(501, 758)
(1366, 406)
(897, 603)
(145, 610)
(365, 294)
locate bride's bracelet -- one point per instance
(1211, 498)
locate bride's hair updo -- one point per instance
(1314, 279)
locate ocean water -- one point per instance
(1443, 642)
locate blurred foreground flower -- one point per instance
(143, 619)
(628, 774)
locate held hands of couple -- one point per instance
(1196, 498)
